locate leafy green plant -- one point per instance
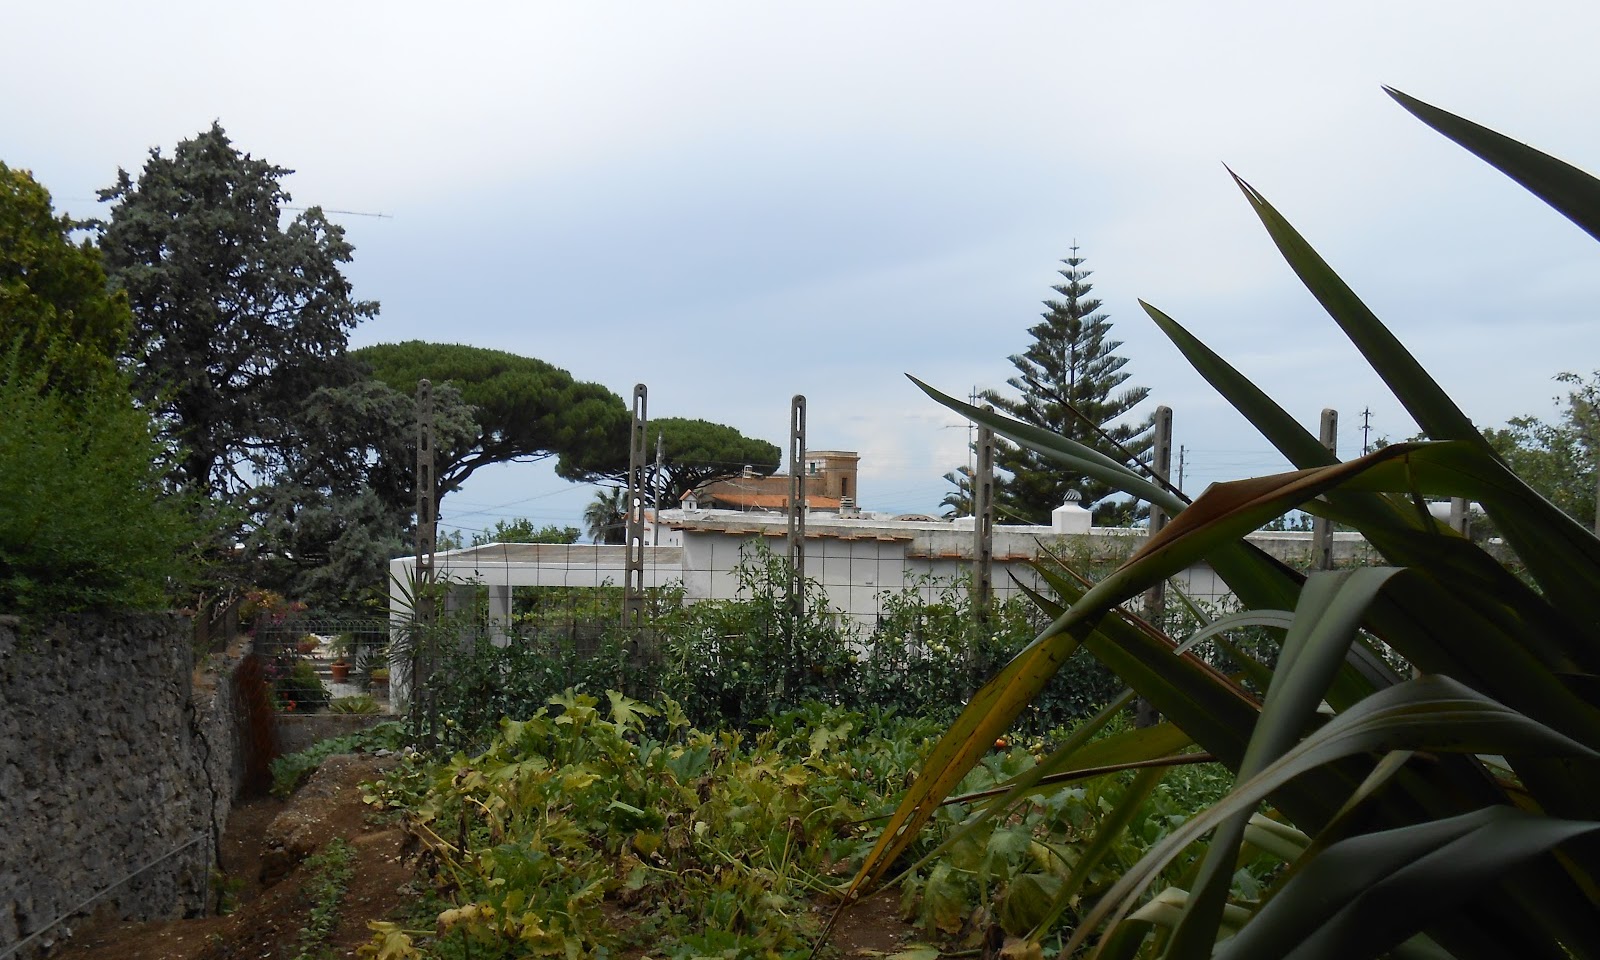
(330, 871)
(297, 685)
(291, 770)
(581, 830)
(734, 661)
(360, 704)
(1445, 813)
(88, 523)
(927, 656)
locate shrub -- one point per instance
(86, 523)
(731, 661)
(298, 687)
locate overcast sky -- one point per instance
(737, 202)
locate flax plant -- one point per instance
(1446, 810)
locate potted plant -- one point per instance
(343, 649)
(379, 679)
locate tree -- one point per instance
(58, 312)
(525, 409)
(342, 497)
(1068, 379)
(1558, 459)
(86, 521)
(695, 452)
(606, 516)
(522, 530)
(958, 502)
(238, 320)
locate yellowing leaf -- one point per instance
(389, 942)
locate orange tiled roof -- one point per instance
(768, 501)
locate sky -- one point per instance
(737, 202)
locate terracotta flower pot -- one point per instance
(340, 670)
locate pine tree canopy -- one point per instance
(1070, 381)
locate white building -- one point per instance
(855, 558)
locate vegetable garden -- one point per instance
(1405, 770)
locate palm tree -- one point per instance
(606, 517)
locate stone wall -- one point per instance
(119, 762)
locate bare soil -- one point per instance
(266, 841)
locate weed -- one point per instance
(330, 871)
(289, 771)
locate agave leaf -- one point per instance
(1432, 713)
(1331, 608)
(1051, 608)
(1366, 894)
(1558, 552)
(987, 715)
(1411, 384)
(1277, 619)
(1083, 459)
(1223, 515)
(1276, 838)
(1124, 749)
(1571, 191)
(1063, 764)
(1170, 905)
(1296, 443)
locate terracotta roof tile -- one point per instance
(769, 501)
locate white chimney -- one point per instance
(1070, 518)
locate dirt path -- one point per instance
(265, 842)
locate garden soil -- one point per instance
(264, 883)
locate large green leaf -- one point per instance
(1364, 895)
(1330, 612)
(1559, 552)
(1426, 713)
(1568, 189)
(1080, 458)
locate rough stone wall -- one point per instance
(118, 766)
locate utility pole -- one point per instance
(972, 453)
(1321, 528)
(633, 592)
(422, 582)
(1181, 451)
(983, 524)
(1155, 599)
(797, 507)
(982, 546)
(1366, 429)
(427, 503)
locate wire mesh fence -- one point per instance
(886, 621)
(726, 660)
(310, 661)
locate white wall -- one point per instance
(854, 559)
